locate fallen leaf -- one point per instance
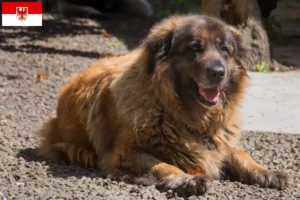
(106, 34)
(41, 76)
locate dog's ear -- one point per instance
(158, 44)
(240, 50)
(179, 35)
(162, 40)
(238, 42)
(159, 38)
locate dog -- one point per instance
(166, 112)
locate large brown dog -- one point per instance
(168, 108)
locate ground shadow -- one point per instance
(130, 30)
(58, 169)
(9, 77)
(66, 170)
(39, 49)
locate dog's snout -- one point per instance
(216, 73)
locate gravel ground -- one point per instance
(35, 62)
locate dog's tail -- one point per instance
(53, 147)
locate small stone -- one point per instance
(193, 198)
(5, 149)
(298, 163)
(169, 191)
(1, 195)
(294, 150)
(211, 198)
(296, 194)
(134, 190)
(3, 122)
(17, 177)
(169, 194)
(20, 184)
(276, 162)
(105, 183)
(143, 196)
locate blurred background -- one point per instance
(268, 26)
(271, 28)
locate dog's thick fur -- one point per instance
(139, 112)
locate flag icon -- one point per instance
(22, 14)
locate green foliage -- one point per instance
(263, 67)
(271, 23)
(116, 44)
(273, 28)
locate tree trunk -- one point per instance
(246, 16)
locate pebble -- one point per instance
(297, 163)
(134, 189)
(193, 198)
(1, 195)
(20, 184)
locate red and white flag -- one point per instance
(22, 14)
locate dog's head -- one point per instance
(201, 56)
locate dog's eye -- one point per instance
(196, 49)
(224, 48)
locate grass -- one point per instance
(116, 44)
(263, 67)
(274, 28)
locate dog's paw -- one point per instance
(268, 179)
(186, 185)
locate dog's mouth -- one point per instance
(209, 96)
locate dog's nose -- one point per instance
(216, 73)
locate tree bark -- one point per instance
(246, 16)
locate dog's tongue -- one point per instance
(211, 95)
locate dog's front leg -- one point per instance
(243, 168)
(171, 177)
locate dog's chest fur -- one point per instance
(182, 146)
